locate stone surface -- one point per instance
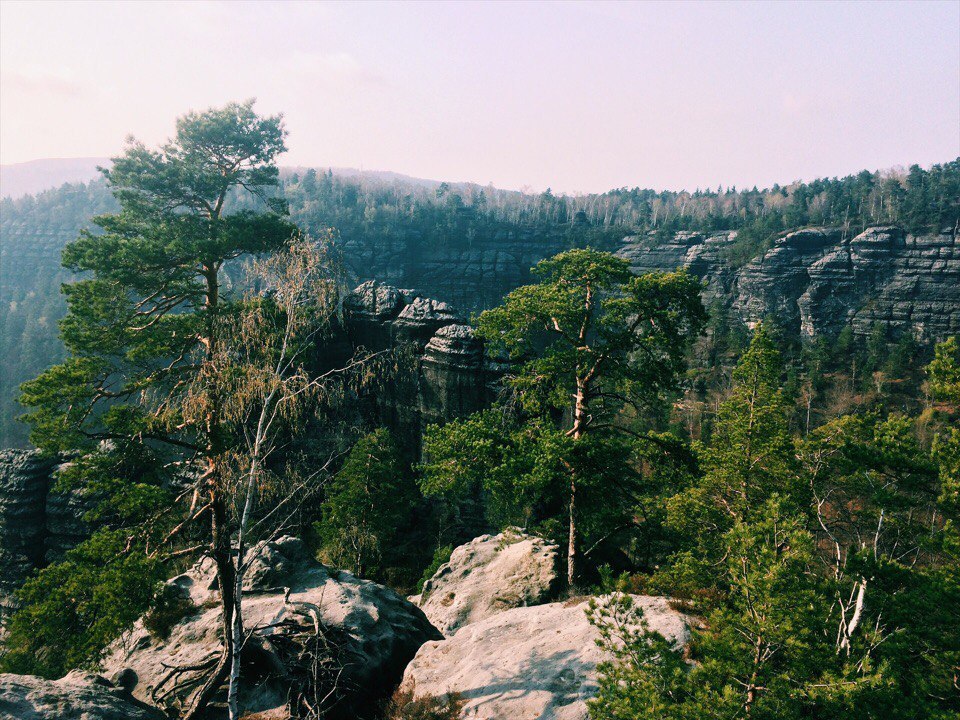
(24, 486)
(377, 631)
(37, 525)
(489, 574)
(78, 696)
(443, 373)
(528, 663)
(817, 280)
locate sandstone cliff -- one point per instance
(445, 374)
(816, 281)
(37, 525)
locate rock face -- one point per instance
(488, 575)
(529, 662)
(817, 280)
(446, 377)
(78, 696)
(36, 525)
(372, 634)
(24, 485)
(474, 274)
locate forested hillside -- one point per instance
(463, 243)
(622, 489)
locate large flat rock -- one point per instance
(531, 663)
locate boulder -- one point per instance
(364, 633)
(78, 696)
(488, 575)
(527, 663)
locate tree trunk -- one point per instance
(220, 542)
(223, 560)
(233, 690)
(851, 626)
(576, 432)
(572, 536)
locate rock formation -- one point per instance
(528, 662)
(490, 574)
(817, 280)
(363, 634)
(24, 485)
(445, 375)
(78, 696)
(474, 274)
(37, 525)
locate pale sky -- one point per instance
(577, 96)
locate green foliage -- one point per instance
(646, 675)
(517, 466)
(72, 609)
(749, 459)
(417, 223)
(751, 453)
(831, 598)
(149, 298)
(441, 556)
(589, 319)
(944, 371)
(368, 503)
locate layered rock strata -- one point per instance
(443, 375)
(817, 280)
(37, 525)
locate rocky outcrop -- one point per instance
(78, 696)
(473, 274)
(37, 524)
(24, 487)
(364, 635)
(529, 662)
(444, 374)
(490, 574)
(817, 280)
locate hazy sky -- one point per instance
(576, 96)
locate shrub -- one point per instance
(404, 706)
(170, 607)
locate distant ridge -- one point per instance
(27, 178)
(34, 176)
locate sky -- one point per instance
(575, 96)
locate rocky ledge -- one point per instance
(490, 574)
(509, 651)
(815, 281)
(528, 662)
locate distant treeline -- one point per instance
(34, 229)
(917, 199)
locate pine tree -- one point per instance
(144, 327)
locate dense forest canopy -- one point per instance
(34, 229)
